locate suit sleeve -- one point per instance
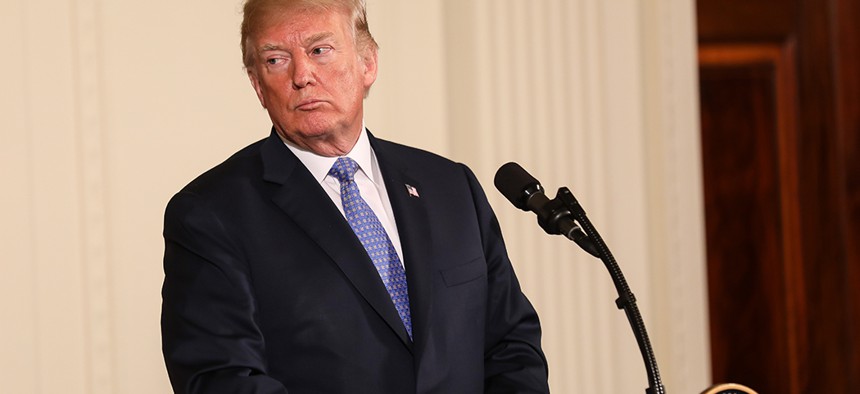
(513, 359)
(210, 340)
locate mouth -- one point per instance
(309, 104)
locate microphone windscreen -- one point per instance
(512, 181)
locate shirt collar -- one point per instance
(319, 166)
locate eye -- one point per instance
(318, 51)
(274, 61)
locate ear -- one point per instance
(255, 82)
(370, 67)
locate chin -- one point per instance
(317, 131)
(309, 129)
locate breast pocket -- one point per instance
(465, 273)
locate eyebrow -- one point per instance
(270, 47)
(311, 39)
(318, 37)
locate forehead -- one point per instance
(298, 26)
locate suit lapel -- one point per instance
(301, 197)
(410, 213)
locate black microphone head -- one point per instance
(516, 184)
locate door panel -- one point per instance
(780, 107)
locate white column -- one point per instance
(676, 222)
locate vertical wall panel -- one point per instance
(55, 198)
(675, 202)
(17, 266)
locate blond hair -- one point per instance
(256, 12)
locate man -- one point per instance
(325, 260)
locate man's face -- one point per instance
(311, 78)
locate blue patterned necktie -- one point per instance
(373, 237)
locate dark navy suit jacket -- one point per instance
(268, 290)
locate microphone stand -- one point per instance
(562, 206)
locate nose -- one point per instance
(303, 72)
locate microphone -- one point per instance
(520, 187)
(563, 215)
(554, 216)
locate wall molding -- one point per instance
(88, 112)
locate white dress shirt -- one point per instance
(368, 177)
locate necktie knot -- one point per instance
(344, 169)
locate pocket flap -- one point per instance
(465, 273)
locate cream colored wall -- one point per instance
(110, 107)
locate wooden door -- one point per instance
(780, 105)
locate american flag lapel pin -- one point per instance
(413, 192)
